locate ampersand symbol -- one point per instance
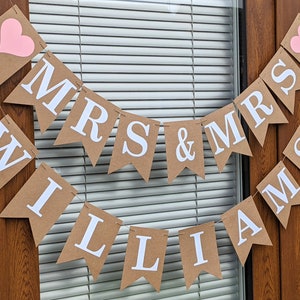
(182, 136)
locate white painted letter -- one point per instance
(198, 246)
(44, 197)
(296, 147)
(65, 86)
(141, 255)
(86, 116)
(255, 229)
(88, 235)
(136, 138)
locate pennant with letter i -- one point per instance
(292, 150)
(90, 121)
(145, 255)
(42, 199)
(91, 238)
(245, 228)
(49, 86)
(16, 150)
(199, 252)
(19, 42)
(184, 147)
(225, 134)
(280, 190)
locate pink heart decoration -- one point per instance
(295, 42)
(12, 41)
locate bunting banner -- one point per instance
(184, 147)
(292, 150)
(49, 86)
(144, 256)
(199, 252)
(135, 143)
(16, 150)
(282, 75)
(90, 121)
(225, 134)
(91, 238)
(245, 228)
(42, 199)
(19, 42)
(259, 109)
(280, 190)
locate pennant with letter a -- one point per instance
(199, 252)
(91, 238)
(280, 190)
(225, 134)
(292, 150)
(42, 200)
(184, 147)
(145, 255)
(49, 86)
(16, 150)
(282, 75)
(19, 42)
(259, 109)
(90, 121)
(135, 143)
(245, 228)
(291, 41)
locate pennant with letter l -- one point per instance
(245, 228)
(91, 238)
(42, 199)
(19, 42)
(259, 109)
(225, 134)
(135, 143)
(145, 255)
(280, 190)
(282, 76)
(291, 41)
(49, 86)
(292, 150)
(199, 252)
(16, 150)
(90, 121)
(184, 147)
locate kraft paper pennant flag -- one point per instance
(282, 75)
(16, 150)
(292, 150)
(90, 121)
(291, 41)
(42, 200)
(259, 109)
(19, 42)
(245, 228)
(225, 134)
(199, 252)
(145, 255)
(91, 238)
(135, 143)
(49, 86)
(280, 190)
(184, 147)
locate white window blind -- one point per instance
(163, 59)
